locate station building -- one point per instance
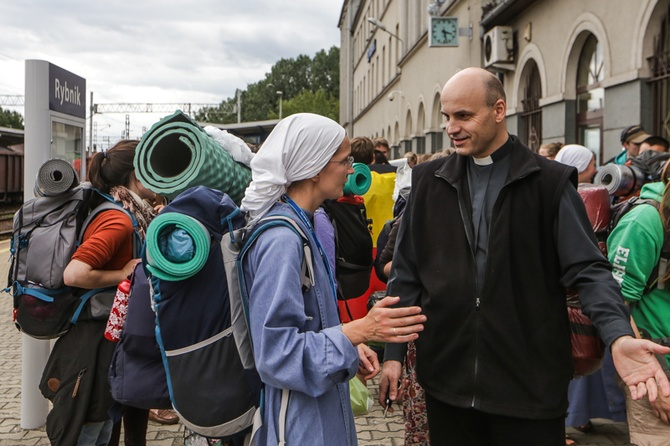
(574, 71)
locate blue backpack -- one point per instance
(202, 317)
(136, 375)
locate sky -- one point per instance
(159, 51)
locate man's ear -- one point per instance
(500, 110)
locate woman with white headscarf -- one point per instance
(299, 343)
(580, 157)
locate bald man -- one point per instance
(491, 239)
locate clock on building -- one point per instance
(443, 31)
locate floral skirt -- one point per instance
(414, 403)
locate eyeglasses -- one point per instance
(348, 161)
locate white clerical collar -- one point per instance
(487, 160)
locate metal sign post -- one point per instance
(55, 118)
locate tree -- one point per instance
(326, 71)
(11, 119)
(307, 85)
(321, 103)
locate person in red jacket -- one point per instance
(107, 255)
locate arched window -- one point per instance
(660, 81)
(420, 143)
(590, 97)
(531, 114)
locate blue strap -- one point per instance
(41, 293)
(229, 221)
(262, 225)
(84, 298)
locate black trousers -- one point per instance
(135, 423)
(451, 425)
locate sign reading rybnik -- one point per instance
(65, 92)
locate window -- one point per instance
(660, 81)
(531, 114)
(590, 97)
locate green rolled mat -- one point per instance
(158, 263)
(54, 177)
(177, 154)
(358, 182)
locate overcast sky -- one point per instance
(160, 51)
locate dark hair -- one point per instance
(380, 158)
(494, 91)
(114, 166)
(362, 150)
(658, 141)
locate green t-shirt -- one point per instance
(634, 247)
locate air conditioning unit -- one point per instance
(498, 46)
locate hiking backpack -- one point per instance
(46, 232)
(353, 245)
(620, 209)
(136, 374)
(202, 320)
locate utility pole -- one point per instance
(90, 126)
(238, 93)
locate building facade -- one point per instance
(574, 71)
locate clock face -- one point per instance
(444, 31)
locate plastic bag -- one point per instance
(361, 401)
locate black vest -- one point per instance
(507, 350)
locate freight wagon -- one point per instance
(11, 174)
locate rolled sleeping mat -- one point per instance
(358, 182)
(54, 177)
(596, 199)
(177, 154)
(177, 246)
(620, 180)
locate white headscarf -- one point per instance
(576, 156)
(298, 148)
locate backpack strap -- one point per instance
(283, 409)
(283, 220)
(111, 204)
(307, 282)
(661, 267)
(108, 204)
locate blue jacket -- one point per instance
(298, 341)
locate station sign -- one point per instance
(67, 92)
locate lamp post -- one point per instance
(281, 95)
(379, 25)
(238, 94)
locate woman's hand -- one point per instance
(368, 367)
(385, 324)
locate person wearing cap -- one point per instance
(631, 138)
